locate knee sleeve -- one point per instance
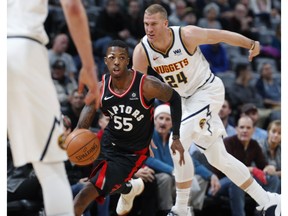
(185, 172)
(218, 157)
(57, 193)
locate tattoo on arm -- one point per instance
(86, 117)
(158, 89)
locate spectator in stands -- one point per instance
(217, 57)
(226, 11)
(190, 17)
(63, 84)
(271, 47)
(210, 19)
(177, 16)
(58, 51)
(248, 151)
(268, 87)
(262, 10)
(224, 114)
(76, 104)
(242, 22)
(110, 25)
(74, 108)
(259, 134)
(241, 92)
(134, 19)
(272, 148)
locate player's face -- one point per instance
(245, 129)
(154, 25)
(117, 61)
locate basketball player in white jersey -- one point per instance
(34, 118)
(173, 53)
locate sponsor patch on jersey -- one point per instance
(133, 96)
(177, 52)
(202, 123)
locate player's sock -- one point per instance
(182, 197)
(257, 193)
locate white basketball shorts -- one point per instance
(201, 123)
(34, 117)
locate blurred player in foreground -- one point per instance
(34, 118)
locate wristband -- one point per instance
(253, 45)
(175, 137)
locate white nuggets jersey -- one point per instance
(183, 71)
(26, 19)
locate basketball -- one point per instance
(83, 147)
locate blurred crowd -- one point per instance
(252, 104)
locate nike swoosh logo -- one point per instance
(155, 58)
(107, 98)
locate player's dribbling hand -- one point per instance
(177, 146)
(89, 78)
(254, 52)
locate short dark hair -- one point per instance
(241, 67)
(118, 43)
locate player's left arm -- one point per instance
(212, 36)
(154, 88)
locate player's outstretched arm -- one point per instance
(77, 21)
(154, 88)
(194, 36)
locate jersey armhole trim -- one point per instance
(142, 99)
(146, 52)
(183, 44)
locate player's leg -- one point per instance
(34, 123)
(57, 192)
(128, 193)
(183, 176)
(196, 125)
(130, 187)
(239, 174)
(86, 195)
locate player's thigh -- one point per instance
(34, 117)
(200, 115)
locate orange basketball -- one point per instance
(83, 147)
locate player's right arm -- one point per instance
(87, 114)
(140, 61)
(77, 21)
(86, 117)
